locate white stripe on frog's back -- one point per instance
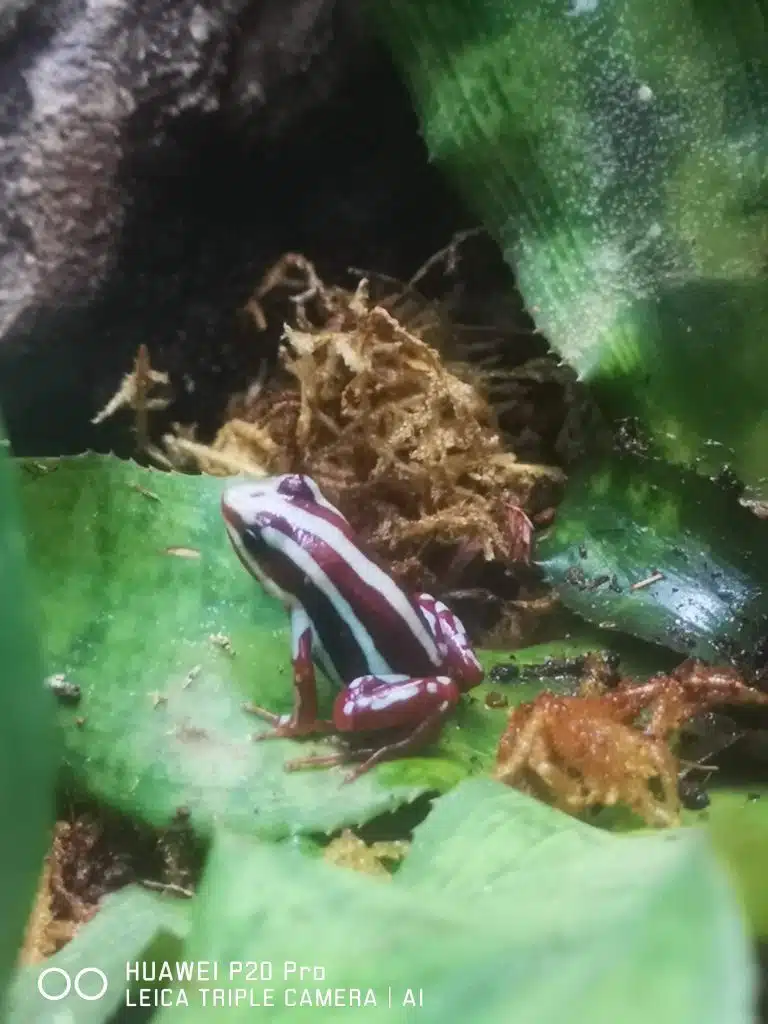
(303, 559)
(367, 570)
(319, 497)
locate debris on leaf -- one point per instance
(66, 691)
(350, 851)
(592, 750)
(495, 700)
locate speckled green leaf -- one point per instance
(620, 525)
(504, 910)
(617, 150)
(27, 747)
(637, 659)
(138, 581)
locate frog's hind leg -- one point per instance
(426, 732)
(410, 710)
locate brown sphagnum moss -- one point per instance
(406, 444)
(375, 401)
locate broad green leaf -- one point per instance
(132, 927)
(737, 823)
(505, 910)
(618, 154)
(27, 747)
(632, 519)
(138, 581)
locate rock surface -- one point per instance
(152, 165)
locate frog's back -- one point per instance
(304, 551)
(363, 621)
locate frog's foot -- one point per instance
(367, 757)
(287, 726)
(320, 761)
(424, 734)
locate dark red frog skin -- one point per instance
(401, 662)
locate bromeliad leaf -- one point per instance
(663, 555)
(555, 920)
(620, 161)
(148, 611)
(737, 823)
(27, 739)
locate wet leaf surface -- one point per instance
(618, 160)
(670, 557)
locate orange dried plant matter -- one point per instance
(407, 445)
(586, 751)
(79, 869)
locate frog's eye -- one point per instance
(295, 485)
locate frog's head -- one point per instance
(270, 522)
(243, 504)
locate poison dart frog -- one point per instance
(400, 662)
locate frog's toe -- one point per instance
(321, 761)
(268, 716)
(288, 728)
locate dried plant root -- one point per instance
(136, 393)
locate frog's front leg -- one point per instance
(459, 661)
(410, 712)
(303, 720)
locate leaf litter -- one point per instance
(404, 443)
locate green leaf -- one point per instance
(527, 671)
(631, 519)
(137, 579)
(132, 926)
(737, 823)
(620, 160)
(27, 747)
(504, 910)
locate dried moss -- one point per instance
(376, 401)
(350, 851)
(406, 444)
